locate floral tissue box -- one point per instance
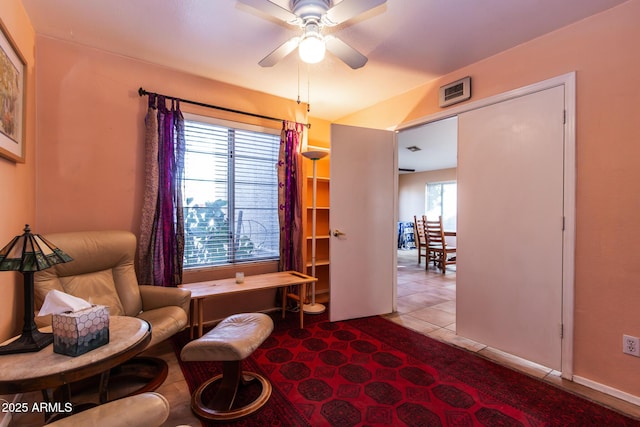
(77, 332)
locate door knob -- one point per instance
(338, 233)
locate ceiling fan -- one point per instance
(312, 16)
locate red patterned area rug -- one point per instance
(373, 372)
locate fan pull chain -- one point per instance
(308, 90)
(298, 101)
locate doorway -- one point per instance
(564, 294)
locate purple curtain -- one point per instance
(289, 193)
(161, 242)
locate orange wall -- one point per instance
(17, 180)
(319, 136)
(90, 140)
(90, 131)
(604, 53)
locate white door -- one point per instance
(363, 222)
(510, 226)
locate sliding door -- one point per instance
(510, 225)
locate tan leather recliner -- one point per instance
(103, 272)
(142, 410)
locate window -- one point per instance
(442, 200)
(230, 193)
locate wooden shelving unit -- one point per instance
(322, 224)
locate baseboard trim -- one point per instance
(627, 397)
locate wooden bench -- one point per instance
(203, 290)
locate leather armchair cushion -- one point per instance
(141, 410)
(96, 288)
(165, 322)
(234, 338)
(156, 296)
(94, 251)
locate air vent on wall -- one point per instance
(455, 92)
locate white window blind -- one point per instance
(230, 193)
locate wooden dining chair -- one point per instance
(420, 239)
(437, 245)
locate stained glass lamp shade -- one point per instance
(27, 254)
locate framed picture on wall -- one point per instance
(12, 98)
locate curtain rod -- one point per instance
(143, 92)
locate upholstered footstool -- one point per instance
(231, 341)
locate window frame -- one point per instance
(231, 190)
(426, 200)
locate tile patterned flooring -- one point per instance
(426, 304)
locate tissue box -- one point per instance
(77, 332)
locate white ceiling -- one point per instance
(408, 42)
(438, 144)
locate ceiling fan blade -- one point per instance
(348, 9)
(280, 52)
(346, 53)
(271, 9)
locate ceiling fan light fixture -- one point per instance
(312, 16)
(312, 49)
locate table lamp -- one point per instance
(28, 253)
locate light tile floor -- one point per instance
(426, 304)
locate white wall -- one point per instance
(411, 191)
